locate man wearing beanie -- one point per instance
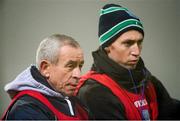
(119, 86)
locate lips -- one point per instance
(133, 62)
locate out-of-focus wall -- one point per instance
(24, 23)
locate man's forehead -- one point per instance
(71, 54)
(71, 51)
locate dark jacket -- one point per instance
(104, 105)
(29, 108)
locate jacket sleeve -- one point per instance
(25, 110)
(169, 108)
(101, 102)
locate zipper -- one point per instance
(70, 105)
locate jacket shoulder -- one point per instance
(28, 108)
(101, 102)
(91, 87)
(169, 108)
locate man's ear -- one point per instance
(45, 68)
(107, 49)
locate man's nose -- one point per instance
(136, 50)
(77, 72)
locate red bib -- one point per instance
(135, 105)
(81, 113)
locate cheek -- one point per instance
(120, 56)
(57, 75)
(58, 80)
(62, 77)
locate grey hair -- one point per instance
(49, 48)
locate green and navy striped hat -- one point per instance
(115, 20)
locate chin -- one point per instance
(131, 67)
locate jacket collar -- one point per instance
(103, 64)
(31, 79)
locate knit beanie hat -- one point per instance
(115, 20)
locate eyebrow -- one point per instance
(73, 62)
(129, 40)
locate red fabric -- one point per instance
(124, 96)
(82, 114)
(151, 94)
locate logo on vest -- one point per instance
(140, 103)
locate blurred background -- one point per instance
(24, 23)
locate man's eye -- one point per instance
(70, 66)
(140, 43)
(81, 65)
(128, 44)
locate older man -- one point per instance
(43, 92)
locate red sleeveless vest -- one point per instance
(81, 113)
(125, 97)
